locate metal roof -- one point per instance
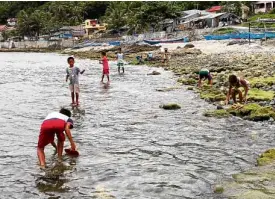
(188, 12)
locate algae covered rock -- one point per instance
(263, 113)
(260, 82)
(257, 95)
(171, 106)
(211, 94)
(252, 111)
(218, 189)
(266, 158)
(217, 113)
(187, 81)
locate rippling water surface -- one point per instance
(130, 148)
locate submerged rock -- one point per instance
(154, 73)
(170, 106)
(217, 113)
(266, 158)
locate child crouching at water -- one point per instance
(105, 64)
(55, 124)
(205, 74)
(234, 89)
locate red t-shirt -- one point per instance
(105, 63)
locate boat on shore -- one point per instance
(153, 42)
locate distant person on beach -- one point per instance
(55, 124)
(166, 56)
(139, 59)
(72, 74)
(120, 62)
(234, 89)
(203, 75)
(105, 64)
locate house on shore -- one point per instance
(92, 27)
(263, 6)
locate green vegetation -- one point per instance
(252, 112)
(224, 31)
(188, 81)
(259, 82)
(41, 17)
(256, 24)
(266, 158)
(255, 94)
(170, 106)
(219, 189)
(211, 94)
(217, 113)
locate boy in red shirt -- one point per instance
(55, 124)
(104, 62)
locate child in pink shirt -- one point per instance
(104, 62)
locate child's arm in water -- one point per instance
(228, 95)
(69, 136)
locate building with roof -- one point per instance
(12, 21)
(263, 6)
(215, 9)
(92, 26)
(205, 21)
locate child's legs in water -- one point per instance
(60, 144)
(71, 87)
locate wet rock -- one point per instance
(187, 81)
(167, 89)
(190, 88)
(219, 107)
(211, 94)
(189, 46)
(154, 73)
(218, 189)
(266, 158)
(217, 113)
(170, 106)
(257, 95)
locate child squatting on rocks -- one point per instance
(205, 74)
(234, 89)
(55, 124)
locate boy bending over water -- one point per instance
(205, 74)
(55, 124)
(234, 89)
(72, 74)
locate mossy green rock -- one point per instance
(260, 82)
(218, 189)
(263, 113)
(253, 112)
(187, 81)
(256, 95)
(266, 158)
(217, 113)
(170, 106)
(211, 94)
